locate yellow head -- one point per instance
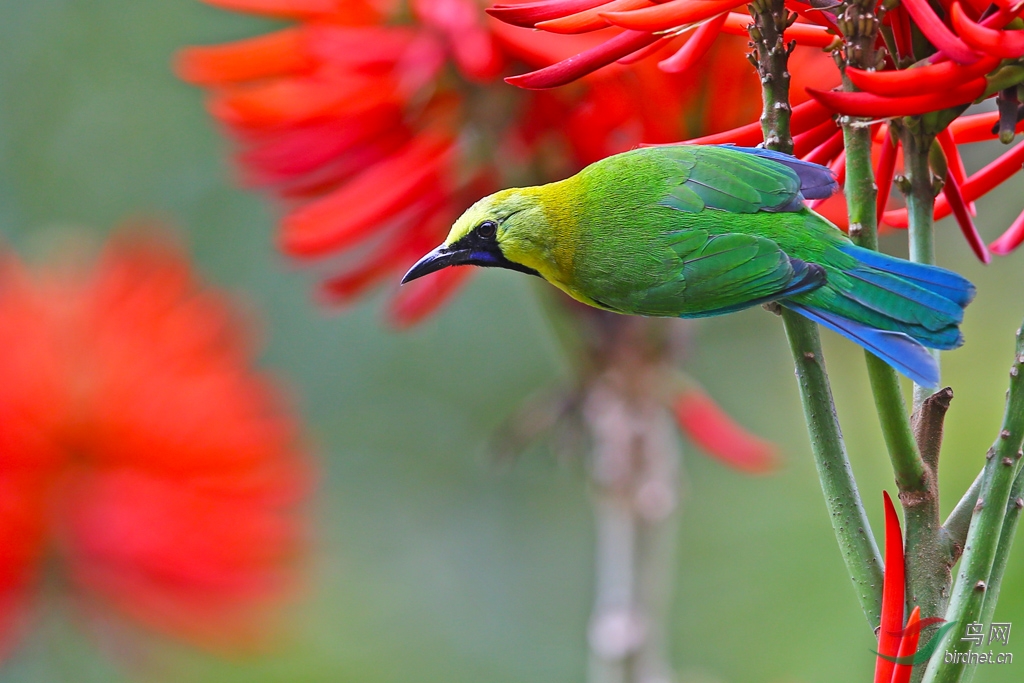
(507, 229)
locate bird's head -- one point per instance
(504, 230)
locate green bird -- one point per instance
(691, 231)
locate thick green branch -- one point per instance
(983, 544)
(856, 543)
(849, 521)
(920, 194)
(959, 520)
(771, 58)
(927, 572)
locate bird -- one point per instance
(692, 231)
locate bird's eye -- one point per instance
(487, 229)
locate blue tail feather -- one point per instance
(895, 348)
(945, 283)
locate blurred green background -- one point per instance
(430, 563)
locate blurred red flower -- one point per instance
(377, 123)
(140, 449)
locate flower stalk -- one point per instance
(981, 566)
(846, 510)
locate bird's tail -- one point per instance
(893, 308)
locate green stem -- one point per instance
(849, 521)
(927, 574)
(984, 538)
(856, 542)
(920, 194)
(1006, 534)
(892, 411)
(959, 520)
(771, 58)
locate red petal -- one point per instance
(827, 151)
(351, 213)
(1010, 239)
(951, 189)
(804, 143)
(974, 128)
(670, 14)
(908, 647)
(1005, 44)
(901, 31)
(275, 54)
(892, 594)
(954, 161)
(584, 63)
(528, 14)
(694, 48)
(876, 106)
(589, 20)
(920, 80)
(646, 52)
(884, 173)
(806, 115)
(713, 430)
(283, 9)
(937, 32)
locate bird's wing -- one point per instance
(725, 272)
(741, 180)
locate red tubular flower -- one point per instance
(1002, 44)
(884, 172)
(713, 430)
(977, 185)
(921, 80)
(672, 14)
(569, 70)
(938, 33)
(646, 25)
(1011, 239)
(908, 647)
(892, 594)
(954, 195)
(875, 106)
(696, 47)
(588, 20)
(141, 449)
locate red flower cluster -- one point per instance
(646, 28)
(377, 124)
(140, 449)
(963, 62)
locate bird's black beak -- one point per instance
(442, 257)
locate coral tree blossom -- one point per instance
(140, 452)
(967, 53)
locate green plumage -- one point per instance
(694, 231)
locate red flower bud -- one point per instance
(920, 80)
(1005, 44)
(713, 430)
(938, 33)
(589, 20)
(877, 106)
(892, 594)
(672, 14)
(568, 70)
